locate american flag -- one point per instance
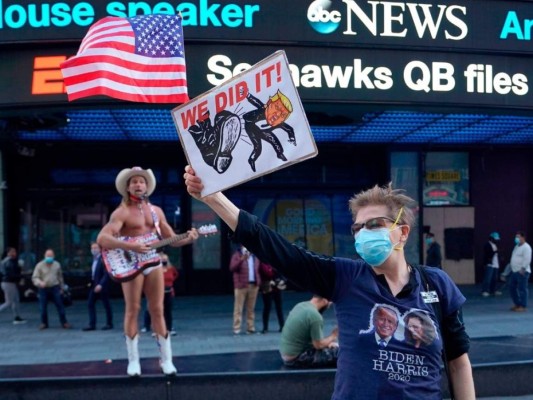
(136, 59)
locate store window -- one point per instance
(446, 179)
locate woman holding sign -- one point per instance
(382, 223)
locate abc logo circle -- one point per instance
(322, 18)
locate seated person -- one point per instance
(303, 344)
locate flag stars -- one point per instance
(160, 34)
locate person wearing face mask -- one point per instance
(521, 269)
(491, 261)
(244, 267)
(383, 219)
(48, 278)
(99, 290)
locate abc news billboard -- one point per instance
(447, 53)
(480, 25)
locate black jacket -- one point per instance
(10, 270)
(488, 253)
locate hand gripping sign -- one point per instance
(251, 125)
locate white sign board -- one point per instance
(249, 126)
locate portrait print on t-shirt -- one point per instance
(400, 344)
(420, 329)
(384, 322)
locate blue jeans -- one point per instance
(518, 288)
(52, 293)
(490, 278)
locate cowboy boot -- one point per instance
(134, 366)
(165, 352)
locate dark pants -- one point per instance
(314, 358)
(91, 303)
(518, 288)
(267, 305)
(167, 312)
(490, 277)
(54, 294)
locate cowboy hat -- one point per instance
(123, 177)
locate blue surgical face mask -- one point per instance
(374, 246)
(516, 240)
(95, 252)
(49, 260)
(429, 241)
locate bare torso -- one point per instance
(135, 221)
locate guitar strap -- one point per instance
(156, 220)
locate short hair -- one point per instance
(383, 308)
(521, 233)
(393, 199)
(429, 234)
(284, 100)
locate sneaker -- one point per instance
(173, 332)
(519, 309)
(485, 294)
(66, 325)
(107, 327)
(237, 332)
(43, 326)
(498, 293)
(144, 330)
(19, 320)
(250, 332)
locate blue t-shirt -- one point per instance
(401, 368)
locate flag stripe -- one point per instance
(139, 97)
(127, 88)
(106, 30)
(125, 43)
(134, 80)
(71, 74)
(122, 59)
(135, 59)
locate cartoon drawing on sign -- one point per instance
(261, 123)
(223, 131)
(217, 142)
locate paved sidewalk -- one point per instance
(204, 326)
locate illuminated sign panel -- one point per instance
(320, 74)
(448, 25)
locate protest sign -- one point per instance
(249, 126)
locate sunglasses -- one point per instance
(372, 223)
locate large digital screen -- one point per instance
(446, 25)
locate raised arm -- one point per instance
(311, 271)
(218, 202)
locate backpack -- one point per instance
(427, 284)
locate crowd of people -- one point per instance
(383, 304)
